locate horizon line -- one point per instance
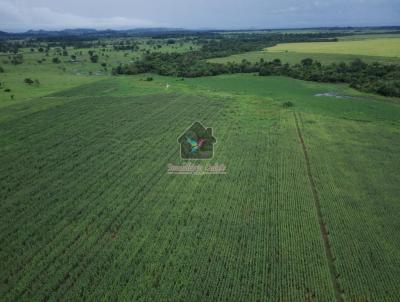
(251, 28)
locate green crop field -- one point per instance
(385, 47)
(369, 48)
(296, 57)
(89, 211)
(369, 36)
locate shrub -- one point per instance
(307, 62)
(28, 81)
(287, 104)
(17, 59)
(94, 58)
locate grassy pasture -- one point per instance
(70, 72)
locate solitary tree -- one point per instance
(94, 58)
(29, 81)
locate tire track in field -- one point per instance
(324, 232)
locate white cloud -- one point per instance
(21, 17)
(288, 10)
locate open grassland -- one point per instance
(74, 67)
(89, 212)
(385, 47)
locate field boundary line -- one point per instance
(324, 232)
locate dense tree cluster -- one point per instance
(375, 77)
(226, 45)
(94, 58)
(179, 64)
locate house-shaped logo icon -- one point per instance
(197, 142)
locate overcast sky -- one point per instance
(20, 15)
